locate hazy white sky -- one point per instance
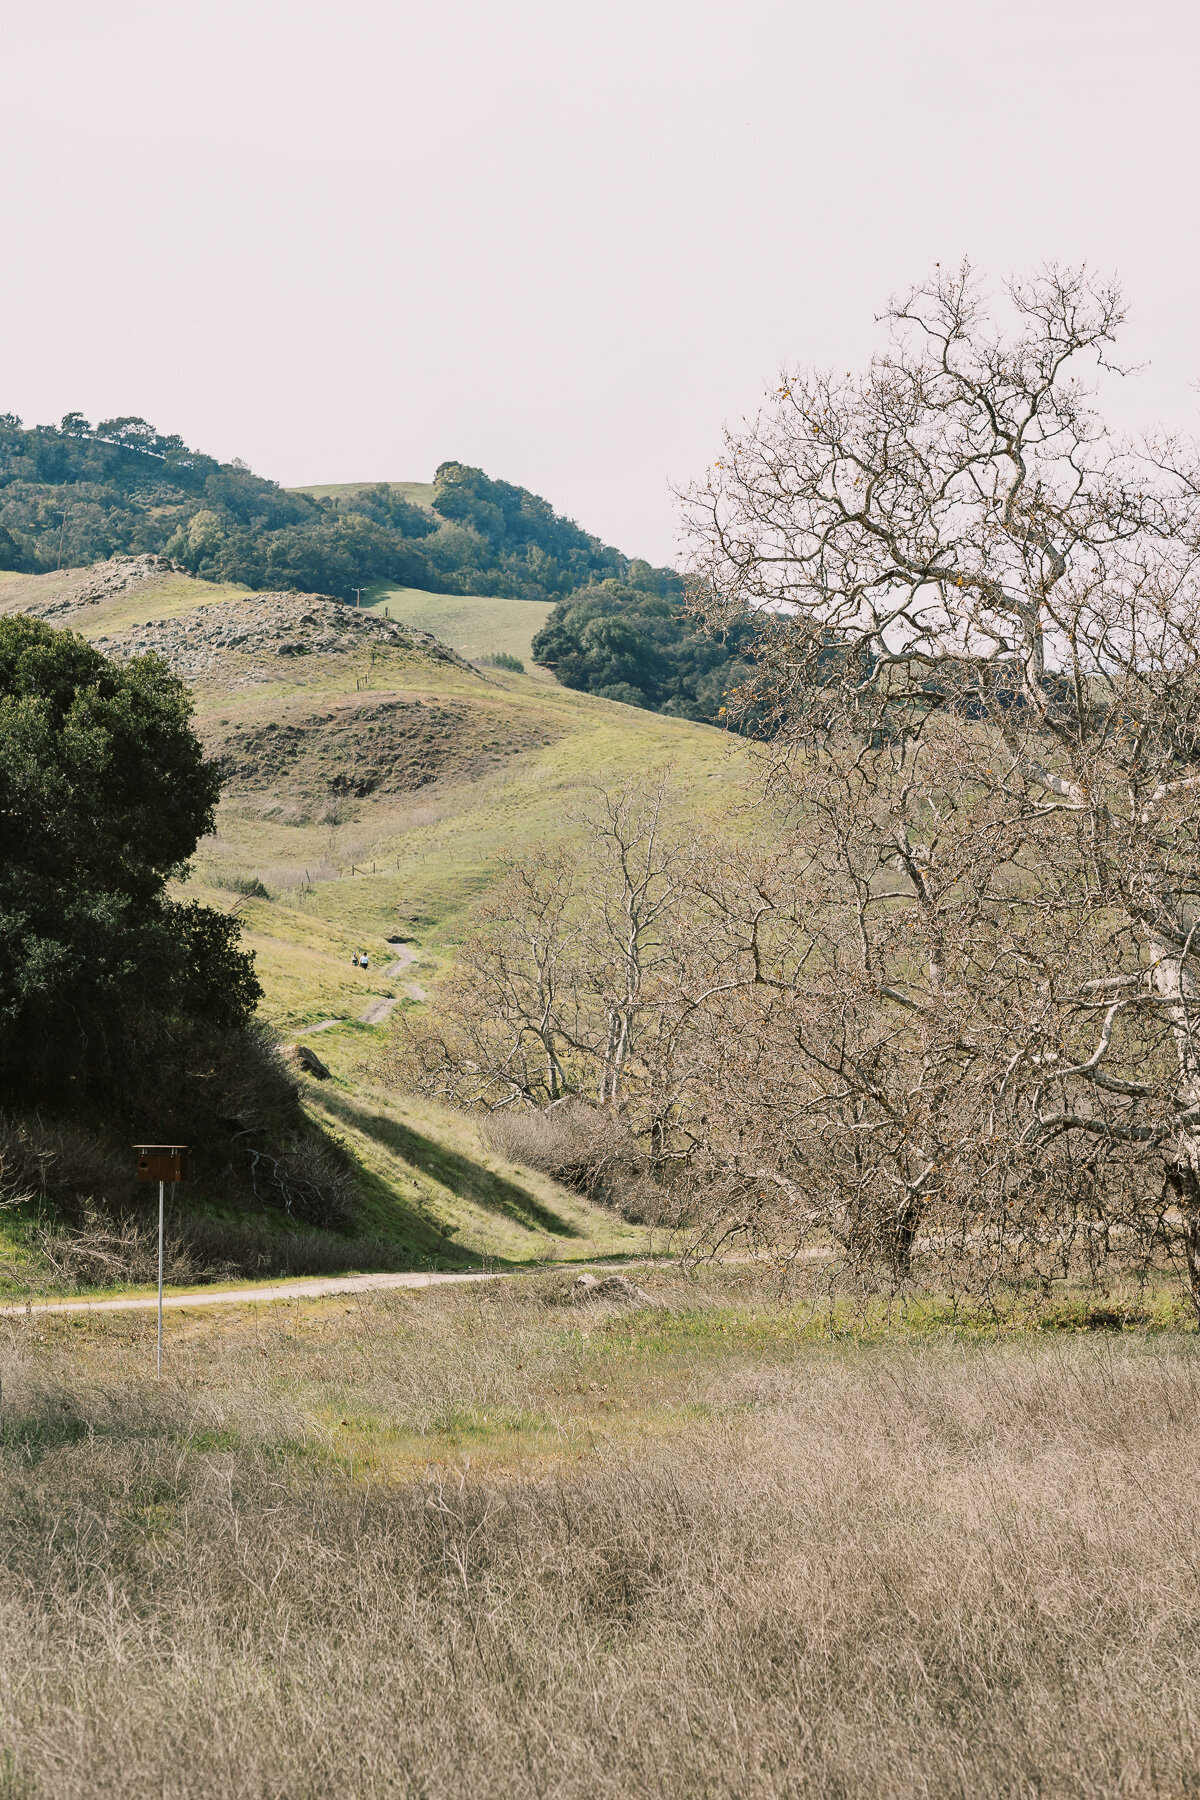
(564, 241)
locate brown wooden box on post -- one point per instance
(162, 1162)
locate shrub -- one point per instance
(586, 1147)
(103, 1249)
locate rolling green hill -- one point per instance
(471, 624)
(76, 492)
(372, 780)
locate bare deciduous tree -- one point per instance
(568, 985)
(980, 649)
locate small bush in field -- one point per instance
(500, 659)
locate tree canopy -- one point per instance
(104, 793)
(76, 493)
(627, 642)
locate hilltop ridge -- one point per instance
(75, 493)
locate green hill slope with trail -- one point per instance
(372, 777)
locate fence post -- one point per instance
(161, 1187)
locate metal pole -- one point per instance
(161, 1186)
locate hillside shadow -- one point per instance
(464, 1177)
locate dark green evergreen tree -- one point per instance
(626, 643)
(104, 793)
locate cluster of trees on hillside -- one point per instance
(944, 1009)
(75, 493)
(627, 641)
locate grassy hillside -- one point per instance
(474, 626)
(461, 765)
(417, 493)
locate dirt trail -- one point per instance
(257, 1296)
(377, 1012)
(405, 955)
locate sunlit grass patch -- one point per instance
(472, 626)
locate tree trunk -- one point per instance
(1176, 984)
(904, 1236)
(1184, 1181)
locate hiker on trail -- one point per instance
(364, 961)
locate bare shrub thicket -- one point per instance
(587, 1147)
(56, 1163)
(913, 1575)
(305, 1177)
(101, 1248)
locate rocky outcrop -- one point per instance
(284, 624)
(273, 625)
(58, 597)
(586, 1288)
(301, 1057)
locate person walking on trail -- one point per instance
(364, 961)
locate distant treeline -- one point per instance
(75, 493)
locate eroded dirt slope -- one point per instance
(369, 744)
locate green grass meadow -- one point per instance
(473, 627)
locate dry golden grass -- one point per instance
(736, 1560)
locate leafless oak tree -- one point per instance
(569, 984)
(980, 643)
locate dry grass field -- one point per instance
(485, 1543)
